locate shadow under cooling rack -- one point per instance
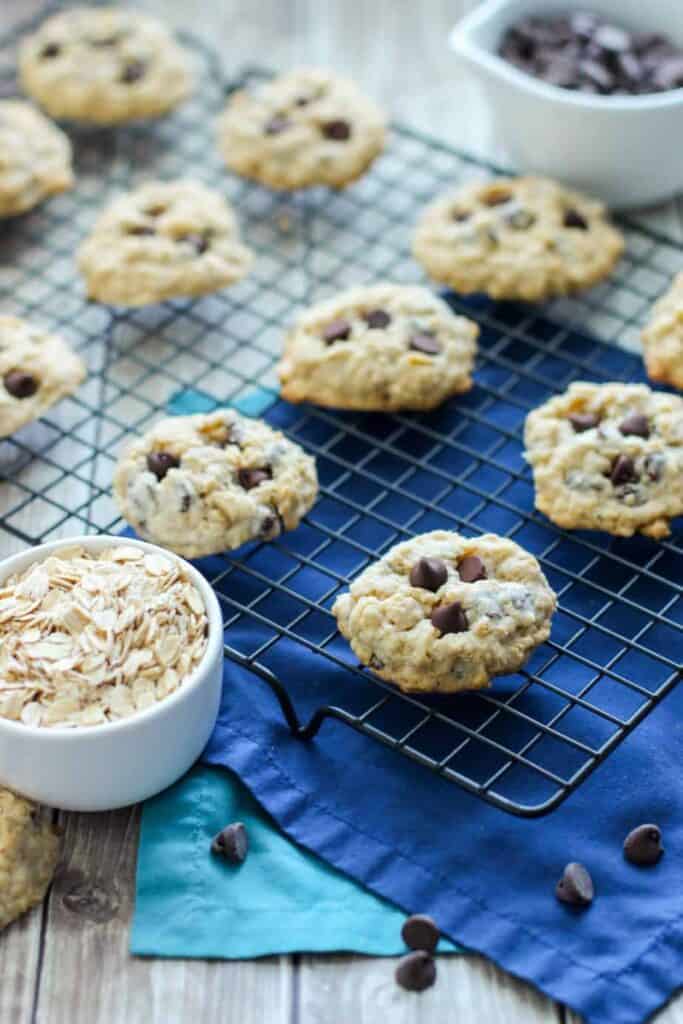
(617, 639)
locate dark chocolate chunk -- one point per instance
(420, 932)
(637, 424)
(429, 573)
(471, 568)
(232, 843)
(623, 471)
(277, 124)
(51, 50)
(643, 845)
(20, 384)
(573, 219)
(576, 886)
(133, 72)
(416, 971)
(583, 421)
(338, 330)
(338, 130)
(159, 463)
(198, 241)
(377, 318)
(185, 502)
(450, 618)
(422, 341)
(252, 477)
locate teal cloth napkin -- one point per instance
(282, 899)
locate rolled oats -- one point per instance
(90, 638)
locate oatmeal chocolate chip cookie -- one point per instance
(104, 65)
(517, 238)
(663, 337)
(36, 370)
(307, 127)
(381, 347)
(209, 483)
(446, 613)
(29, 851)
(35, 158)
(608, 457)
(164, 239)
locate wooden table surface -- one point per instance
(67, 962)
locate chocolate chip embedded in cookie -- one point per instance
(104, 65)
(35, 158)
(663, 337)
(446, 613)
(307, 127)
(37, 369)
(608, 457)
(29, 851)
(517, 238)
(382, 347)
(162, 240)
(209, 483)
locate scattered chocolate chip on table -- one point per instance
(416, 971)
(420, 932)
(232, 843)
(643, 845)
(576, 886)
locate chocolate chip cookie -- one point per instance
(382, 347)
(663, 337)
(608, 457)
(103, 65)
(444, 613)
(29, 851)
(517, 238)
(36, 370)
(162, 240)
(35, 158)
(307, 127)
(209, 483)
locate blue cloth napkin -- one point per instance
(422, 843)
(281, 900)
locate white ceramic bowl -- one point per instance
(101, 767)
(624, 149)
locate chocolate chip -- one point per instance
(133, 72)
(199, 242)
(232, 843)
(338, 130)
(271, 527)
(643, 845)
(450, 618)
(19, 384)
(159, 463)
(582, 421)
(338, 330)
(185, 502)
(140, 229)
(573, 219)
(429, 574)
(471, 568)
(623, 471)
(636, 424)
(249, 478)
(277, 124)
(422, 341)
(377, 318)
(416, 971)
(576, 886)
(420, 932)
(51, 50)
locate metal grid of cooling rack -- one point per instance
(617, 639)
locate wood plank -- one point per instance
(468, 988)
(19, 962)
(88, 977)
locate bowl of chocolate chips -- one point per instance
(587, 92)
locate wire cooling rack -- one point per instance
(617, 638)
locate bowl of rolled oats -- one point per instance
(111, 654)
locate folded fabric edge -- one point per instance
(612, 999)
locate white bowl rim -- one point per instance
(214, 640)
(460, 41)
